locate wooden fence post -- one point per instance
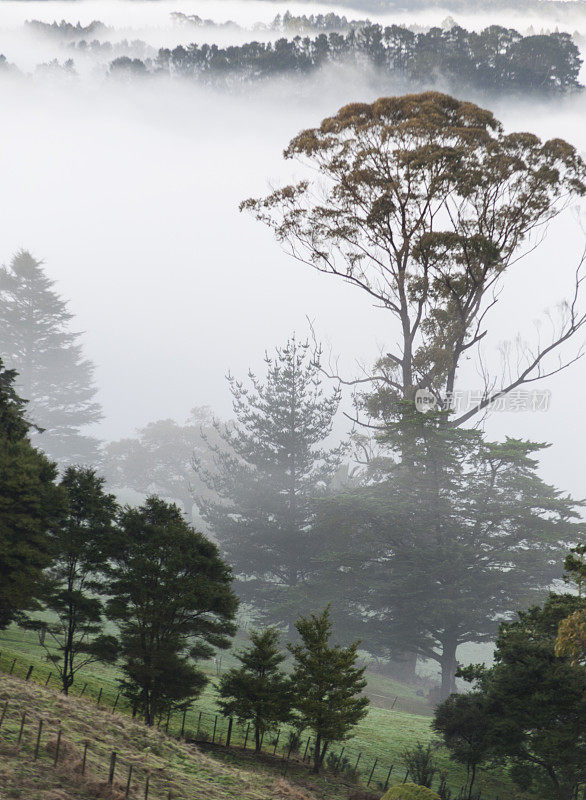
(38, 742)
(83, 763)
(306, 746)
(115, 703)
(83, 690)
(246, 736)
(289, 750)
(198, 724)
(99, 696)
(183, 722)
(146, 787)
(214, 734)
(128, 782)
(48, 679)
(4, 710)
(372, 772)
(12, 667)
(276, 742)
(388, 777)
(339, 759)
(57, 746)
(112, 768)
(29, 673)
(357, 761)
(21, 727)
(229, 734)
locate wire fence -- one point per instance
(85, 764)
(288, 751)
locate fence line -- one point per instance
(36, 739)
(208, 729)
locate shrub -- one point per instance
(410, 791)
(421, 764)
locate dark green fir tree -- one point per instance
(258, 692)
(171, 596)
(327, 685)
(81, 548)
(31, 508)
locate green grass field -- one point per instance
(379, 740)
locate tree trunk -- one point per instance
(317, 755)
(472, 777)
(448, 665)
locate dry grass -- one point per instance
(172, 766)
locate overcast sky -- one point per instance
(130, 194)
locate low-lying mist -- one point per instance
(129, 191)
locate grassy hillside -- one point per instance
(380, 738)
(174, 769)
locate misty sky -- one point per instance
(130, 192)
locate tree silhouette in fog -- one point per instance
(425, 203)
(160, 457)
(269, 467)
(54, 377)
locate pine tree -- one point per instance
(258, 691)
(54, 377)
(327, 685)
(268, 471)
(31, 508)
(81, 548)
(171, 596)
(459, 537)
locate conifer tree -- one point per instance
(171, 596)
(432, 555)
(31, 508)
(258, 691)
(533, 703)
(327, 685)
(269, 468)
(53, 375)
(81, 548)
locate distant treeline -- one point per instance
(67, 29)
(288, 23)
(497, 60)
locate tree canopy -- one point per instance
(327, 684)
(534, 703)
(258, 691)
(81, 547)
(496, 60)
(170, 594)
(269, 467)
(424, 203)
(31, 508)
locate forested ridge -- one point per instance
(496, 60)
